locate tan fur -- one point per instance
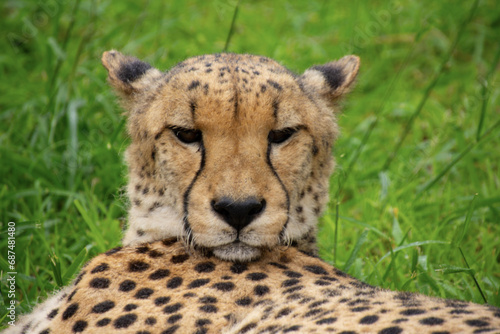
(235, 101)
(159, 288)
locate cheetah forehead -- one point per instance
(226, 90)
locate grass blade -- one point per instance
(75, 265)
(431, 183)
(231, 28)
(472, 274)
(430, 87)
(355, 251)
(485, 92)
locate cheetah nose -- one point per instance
(238, 214)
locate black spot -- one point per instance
(209, 308)
(460, 311)
(139, 231)
(400, 320)
(293, 289)
(284, 312)
(103, 307)
(129, 72)
(312, 312)
(154, 254)
(203, 322)
(224, 286)
(70, 311)
(174, 282)
(150, 321)
(247, 328)
(278, 265)
(208, 300)
(179, 258)
(289, 282)
(431, 321)
(159, 274)
(348, 332)
(174, 318)
(477, 323)
(263, 88)
(144, 293)
(79, 326)
(172, 308)
(103, 322)
(125, 321)
(100, 268)
(391, 330)
(274, 84)
(45, 331)
(256, 276)
(412, 311)
(322, 282)
(142, 249)
(198, 282)
(99, 283)
(171, 330)
(71, 295)
(316, 270)
(169, 242)
(261, 290)
(360, 309)
(205, 267)
(245, 301)
(238, 268)
(127, 285)
(193, 84)
(130, 307)
(293, 274)
(326, 321)
(189, 295)
(53, 313)
(291, 329)
(368, 320)
(161, 301)
(137, 266)
(79, 278)
(329, 278)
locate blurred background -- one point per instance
(415, 200)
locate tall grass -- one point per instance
(415, 200)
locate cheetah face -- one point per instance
(230, 152)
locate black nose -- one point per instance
(238, 214)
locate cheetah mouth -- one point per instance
(237, 251)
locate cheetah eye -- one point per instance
(187, 136)
(280, 136)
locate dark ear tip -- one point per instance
(124, 68)
(132, 70)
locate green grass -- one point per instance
(415, 201)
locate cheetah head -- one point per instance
(231, 153)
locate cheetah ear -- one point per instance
(128, 75)
(332, 80)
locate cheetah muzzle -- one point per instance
(230, 152)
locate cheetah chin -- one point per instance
(237, 251)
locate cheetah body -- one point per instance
(229, 163)
(160, 288)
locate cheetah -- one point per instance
(228, 174)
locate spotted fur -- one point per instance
(161, 288)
